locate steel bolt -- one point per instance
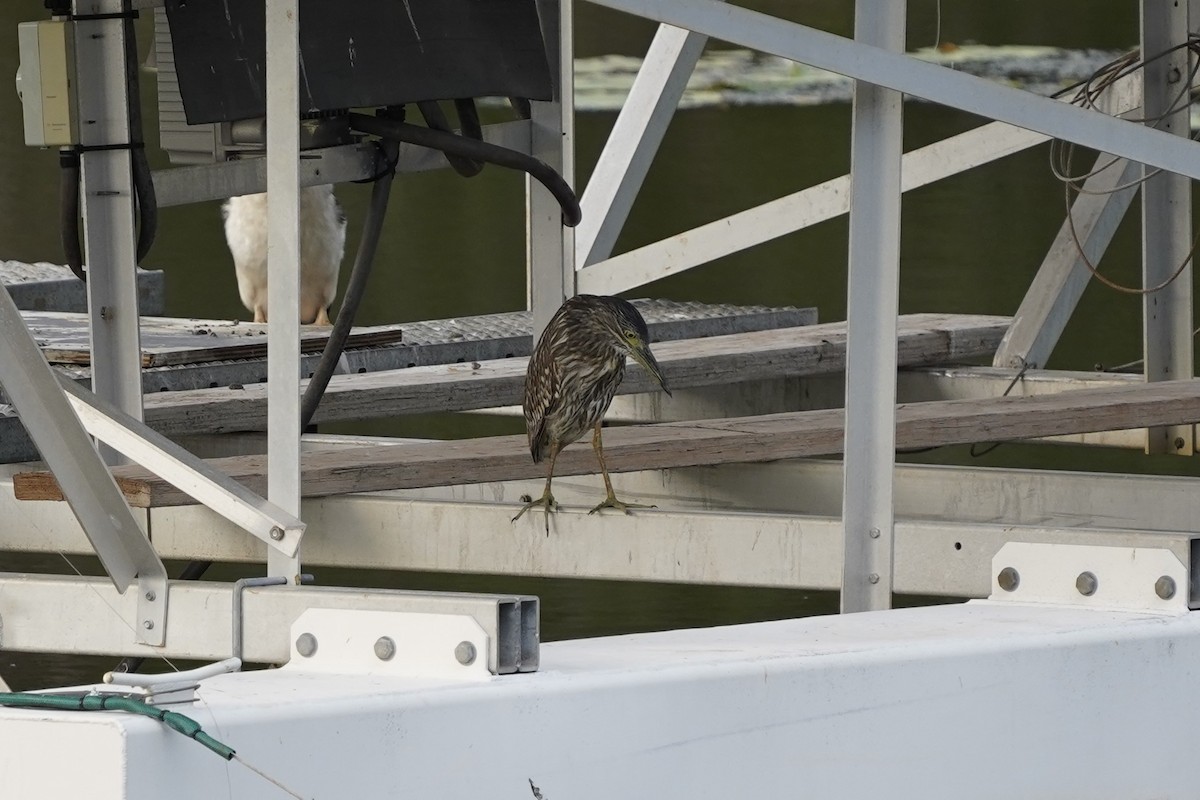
(306, 644)
(150, 596)
(148, 624)
(277, 533)
(465, 653)
(1087, 584)
(385, 648)
(873, 533)
(1008, 579)
(873, 578)
(1179, 442)
(1164, 587)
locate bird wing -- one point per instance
(543, 394)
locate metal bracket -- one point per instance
(91, 492)
(1123, 578)
(396, 643)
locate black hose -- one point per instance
(143, 182)
(356, 288)
(435, 119)
(468, 118)
(68, 211)
(482, 151)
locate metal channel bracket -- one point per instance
(502, 630)
(398, 643)
(1124, 578)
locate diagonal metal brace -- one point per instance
(91, 492)
(185, 471)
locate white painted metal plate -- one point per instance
(1126, 578)
(395, 643)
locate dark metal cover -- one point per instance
(358, 53)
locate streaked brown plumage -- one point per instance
(573, 374)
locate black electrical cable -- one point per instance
(482, 151)
(143, 182)
(436, 120)
(468, 118)
(68, 211)
(356, 287)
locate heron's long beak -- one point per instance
(643, 356)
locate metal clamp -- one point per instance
(240, 586)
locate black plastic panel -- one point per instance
(359, 53)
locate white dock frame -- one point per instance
(561, 262)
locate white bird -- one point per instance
(322, 244)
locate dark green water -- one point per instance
(455, 247)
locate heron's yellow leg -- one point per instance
(611, 500)
(546, 501)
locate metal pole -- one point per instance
(550, 246)
(1166, 217)
(107, 199)
(873, 300)
(283, 274)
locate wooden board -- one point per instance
(924, 339)
(682, 444)
(64, 339)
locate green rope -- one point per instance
(109, 702)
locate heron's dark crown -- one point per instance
(623, 312)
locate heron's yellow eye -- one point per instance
(631, 336)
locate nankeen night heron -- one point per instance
(322, 244)
(572, 376)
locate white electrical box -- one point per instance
(47, 50)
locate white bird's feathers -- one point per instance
(322, 244)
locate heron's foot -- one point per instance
(323, 318)
(546, 501)
(612, 502)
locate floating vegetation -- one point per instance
(745, 77)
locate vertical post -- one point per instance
(550, 246)
(283, 276)
(106, 186)
(872, 305)
(1166, 217)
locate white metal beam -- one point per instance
(233, 501)
(873, 298)
(822, 202)
(921, 79)
(796, 211)
(634, 140)
(107, 199)
(550, 245)
(679, 546)
(1167, 215)
(283, 260)
(83, 615)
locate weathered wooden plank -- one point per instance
(924, 339)
(64, 338)
(680, 444)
